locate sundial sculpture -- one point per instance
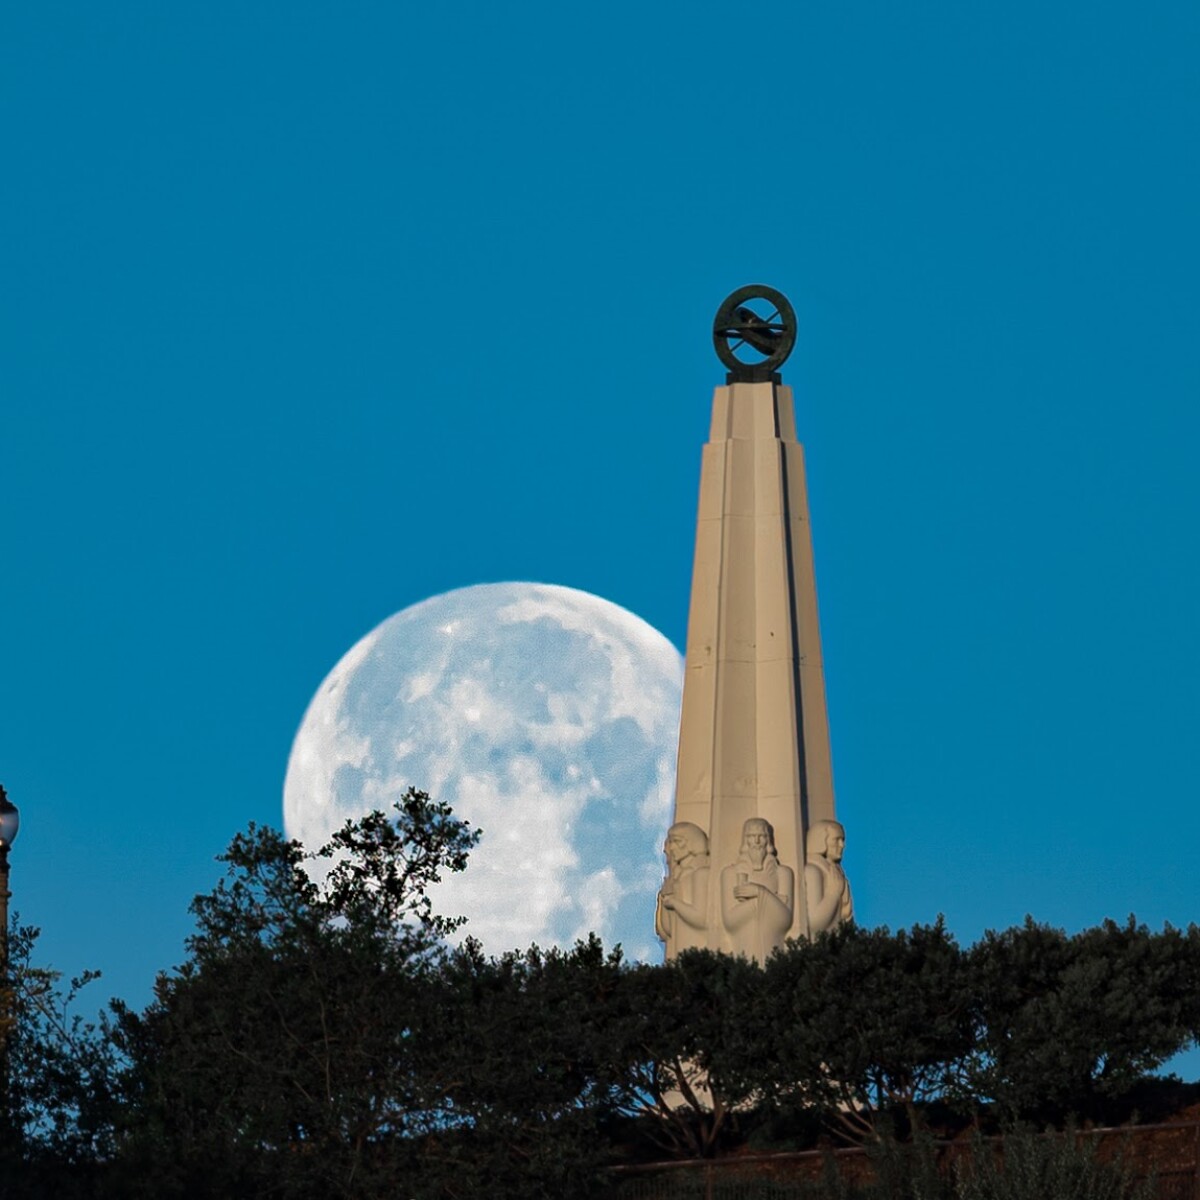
(754, 852)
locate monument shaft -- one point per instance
(754, 737)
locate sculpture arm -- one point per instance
(779, 905)
(734, 912)
(773, 907)
(662, 924)
(824, 903)
(694, 912)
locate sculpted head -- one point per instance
(758, 840)
(685, 840)
(826, 839)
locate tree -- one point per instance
(279, 1058)
(1069, 1023)
(59, 1084)
(861, 1021)
(685, 1048)
(520, 1052)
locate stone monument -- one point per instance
(754, 791)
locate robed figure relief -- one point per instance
(682, 916)
(825, 885)
(757, 894)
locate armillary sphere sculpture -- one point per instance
(754, 344)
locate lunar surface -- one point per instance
(546, 717)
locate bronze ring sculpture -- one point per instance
(739, 328)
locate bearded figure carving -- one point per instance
(757, 894)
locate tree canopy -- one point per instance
(322, 1037)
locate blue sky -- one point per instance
(311, 312)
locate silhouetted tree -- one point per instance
(519, 1063)
(685, 1048)
(862, 1021)
(60, 1080)
(279, 1059)
(1069, 1023)
(322, 1039)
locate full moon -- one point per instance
(546, 717)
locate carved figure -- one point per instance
(682, 915)
(825, 885)
(757, 894)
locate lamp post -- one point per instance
(10, 821)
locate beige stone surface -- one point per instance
(681, 918)
(754, 737)
(829, 899)
(758, 894)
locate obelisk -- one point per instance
(754, 762)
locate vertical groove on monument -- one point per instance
(754, 737)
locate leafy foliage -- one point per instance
(520, 1070)
(1027, 1166)
(281, 1056)
(860, 1021)
(686, 1046)
(1018, 1166)
(321, 1038)
(59, 1077)
(1067, 1023)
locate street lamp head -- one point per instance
(10, 820)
